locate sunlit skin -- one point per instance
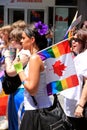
(83, 100)
(35, 65)
(28, 43)
(76, 46)
(16, 45)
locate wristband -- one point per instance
(18, 67)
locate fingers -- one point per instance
(18, 58)
(78, 115)
(78, 111)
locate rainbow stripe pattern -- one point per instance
(55, 51)
(56, 82)
(58, 86)
(69, 35)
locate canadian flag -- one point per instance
(60, 69)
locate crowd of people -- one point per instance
(21, 42)
(11, 49)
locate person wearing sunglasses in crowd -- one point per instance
(73, 98)
(76, 45)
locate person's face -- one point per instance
(15, 44)
(4, 36)
(76, 45)
(26, 41)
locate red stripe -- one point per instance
(3, 105)
(75, 80)
(64, 47)
(72, 81)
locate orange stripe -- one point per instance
(69, 82)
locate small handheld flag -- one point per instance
(60, 69)
(75, 22)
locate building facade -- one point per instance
(56, 13)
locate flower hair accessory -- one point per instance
(41, 27)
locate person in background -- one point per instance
(16, 99)
(76, 44)
(84, 25)
(19, 24)
(49, 37)
(34, 75)
(72, 96)
(1, 41)
(1, 50)
(4, 35)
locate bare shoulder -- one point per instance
(35, 57)
(36, 61)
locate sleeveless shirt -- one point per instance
(41, 97)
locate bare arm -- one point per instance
(82, 101)
(10, 64)
(31, 82)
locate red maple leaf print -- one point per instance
(59, 68)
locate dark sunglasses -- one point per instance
(76, 40)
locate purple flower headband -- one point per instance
(41, 27)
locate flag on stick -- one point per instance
(60, 69)
(75, 22)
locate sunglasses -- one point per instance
(76, 40)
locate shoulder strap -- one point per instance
(34, 100)
(54, 103)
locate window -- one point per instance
(36, 15)
(50, 16)
(18, 15)
(1, 15)
(63, 19)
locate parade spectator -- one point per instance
(34, 77)
(16, 99)
(49, 37)
(77, 45)
(19, 24)
(84, 25)
(72, 96)
(4, 35)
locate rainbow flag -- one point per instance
(76, 20)
(3, 97)
(60, 69)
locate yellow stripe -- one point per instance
(56, 51)
(2, 94)
(64, 84)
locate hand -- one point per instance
(18, 67)
(78, 111)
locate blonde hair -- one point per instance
(6, 29)
(20, 24)
(16, 34)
